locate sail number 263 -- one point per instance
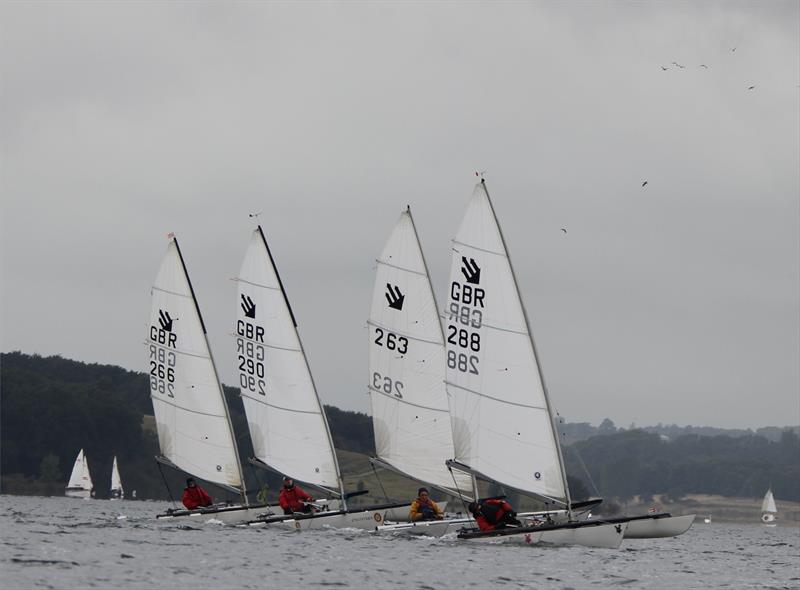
(387, 385)
(391, 340)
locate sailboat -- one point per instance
(116, 493)
(285, 415)
(195, 434)
(408, 398)
(502, 417)
(80, 481)
(769, 512)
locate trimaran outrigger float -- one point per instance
(285, 415)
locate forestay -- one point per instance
(287, 424)
(406, 366)
(502, 426)
(80, 477)
(194, 430)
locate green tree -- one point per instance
(48, 469)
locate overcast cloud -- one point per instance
(676, 302)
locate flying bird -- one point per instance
(663, 68)
(644, 184)
(751, 87)
(734, 49)
(564, 229)
(676, 64)
(704, 66)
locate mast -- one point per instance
(535, 355)
(243, 490)
(308, 368)
(438, 319)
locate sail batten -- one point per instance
(194, 429)
(406, 366)
(284, 413)
(502, 425)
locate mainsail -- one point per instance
(116, 482)
(287, 423)
(80, 479)
(406, 366)
(502, 425)
(768, 504)
(194, 428)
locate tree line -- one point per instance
(52, 407)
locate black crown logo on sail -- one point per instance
(394, 297)
(165, 320)
(248, 307)
(471, 270)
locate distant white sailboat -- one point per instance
(769, 512)
(80, 481)
(117, 492)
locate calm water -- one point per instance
(66, 543)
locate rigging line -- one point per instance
(166, 485)
(380, 483)
(586, 470)
(458, 490)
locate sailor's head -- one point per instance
(423, 493)
(288, 482)
(474, 507)
(190, 483)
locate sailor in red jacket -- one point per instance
(194, 496)
(493, 514)
(293, 498)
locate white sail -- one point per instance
(410, 414)
(116, 482)
(768, 504)
(286, 420)
(80, 479)
(502, 426)
(194, 429)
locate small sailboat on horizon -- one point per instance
(116, 492)
(80, 480)
(769, 511)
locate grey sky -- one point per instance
(676, 302)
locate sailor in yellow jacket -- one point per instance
(423, 508)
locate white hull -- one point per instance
(366, 520)
(655, 528)
(606, 536)
(428, 528)
(227, 515)
(83, 494)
